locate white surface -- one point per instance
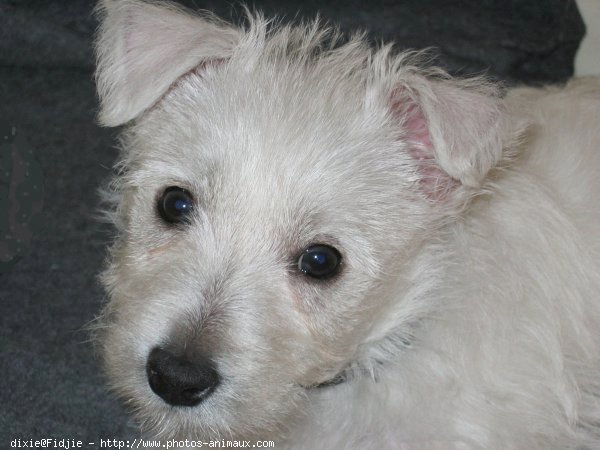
(587, 61)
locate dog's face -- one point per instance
(269, 202)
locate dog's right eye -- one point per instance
(175, 204)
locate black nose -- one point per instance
(179, 381)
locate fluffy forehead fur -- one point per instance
(291, 136)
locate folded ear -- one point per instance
(142, 47)
(455, 130)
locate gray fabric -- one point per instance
(51, 382)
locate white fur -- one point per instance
(467, 312)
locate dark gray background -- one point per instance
(50, 381)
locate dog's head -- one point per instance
(274, 194)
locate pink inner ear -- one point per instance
(417, 133)
(434, 181)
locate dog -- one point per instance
(329, 245)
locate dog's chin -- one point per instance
(222, 415)
(161, 421)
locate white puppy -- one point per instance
(325, 245)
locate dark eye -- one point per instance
(175, 204)
(320, 261)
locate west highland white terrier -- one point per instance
(329, 246)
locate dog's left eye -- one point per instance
(320, 261)
(175, 204)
